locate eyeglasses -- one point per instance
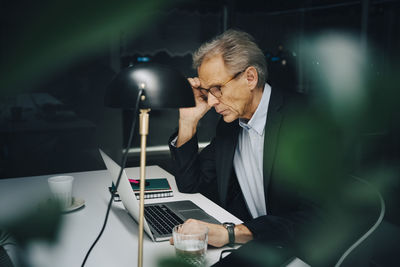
(216, 90)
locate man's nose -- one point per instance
(212, 100)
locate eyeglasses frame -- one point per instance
(217, 92)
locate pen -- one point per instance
(137, 182)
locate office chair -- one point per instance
(5, 260)
(359, 211)
(372, 195)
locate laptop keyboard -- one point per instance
(161, 218)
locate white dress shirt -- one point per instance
(248, 158)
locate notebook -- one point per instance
(160, 218)
(154, 188)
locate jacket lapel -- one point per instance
(224, 157)
(227, 142)
(274, 119)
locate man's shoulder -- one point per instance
(289, 101)
(295, 98)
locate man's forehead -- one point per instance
(212, 71)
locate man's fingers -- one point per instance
(194, 82)
(171, 241)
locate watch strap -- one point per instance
(230, 227)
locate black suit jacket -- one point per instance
(289, 176)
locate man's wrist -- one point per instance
(186, 131)
(242, 234)
(230, 227)
(188, 123)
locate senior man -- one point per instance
(249, 168)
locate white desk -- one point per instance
(118, 245)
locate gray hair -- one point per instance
(238, 50)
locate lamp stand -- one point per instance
(143, 130)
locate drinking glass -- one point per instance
(191, 243)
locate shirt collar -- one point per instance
(259, 118)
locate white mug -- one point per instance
(61, 188)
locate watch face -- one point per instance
(228, 224)
(231, 232)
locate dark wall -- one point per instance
(63, 133)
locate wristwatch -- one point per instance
(231, 232)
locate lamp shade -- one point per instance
(163, 88)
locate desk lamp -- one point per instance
(147, 86)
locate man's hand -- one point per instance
(189, 117)
(194, 114)
(218, 235)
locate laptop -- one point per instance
(160, 218)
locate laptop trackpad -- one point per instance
(195, 214)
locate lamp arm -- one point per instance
(144, 131)
(124, 159)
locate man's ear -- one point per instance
(252, 77)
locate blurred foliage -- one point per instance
(352, 101)
(45, 36)
(349, 83)
(40, 38)
(41, 223)
(359, 100)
